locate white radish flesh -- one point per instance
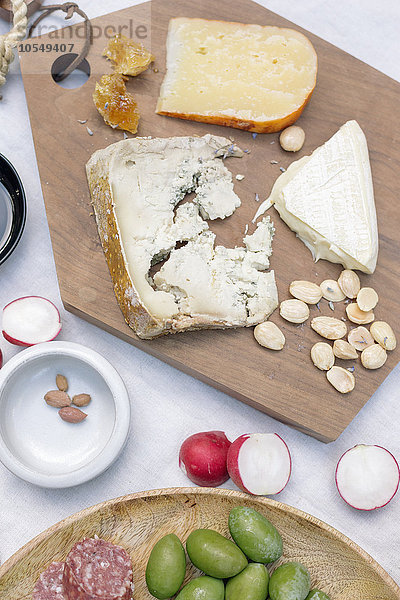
(30, 320)
(259, 463)
(367, 477)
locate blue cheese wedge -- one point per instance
(328, 200)
(224, 283)
(137, 188)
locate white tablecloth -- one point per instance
(167, 405)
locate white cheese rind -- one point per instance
(328, 200)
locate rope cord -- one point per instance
(18, 32)
(69, 8)
(9, 40)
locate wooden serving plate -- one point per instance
(283, 384)
(337, 565)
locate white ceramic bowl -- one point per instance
(35, 443)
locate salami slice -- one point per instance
(97, 570)
(50, 584)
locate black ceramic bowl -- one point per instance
(12, 208)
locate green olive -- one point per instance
(166, 567)
(290, 581)
(317, 595)
(202, 588)
(250, 584)
(214, 554)
(255, 535)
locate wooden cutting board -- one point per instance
(283, 384)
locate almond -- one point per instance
(322, 356)
(329, 327)
(294, 311)
(62, 383)
(360, 338)
(349, 283)
(367, 299)
(307, 292)
(292, 138)
(344, 350)
(383, 334)
(267, 334)
(331, 291)
(81, 399)
(72, 415)
(341, 379)
(373, 357)
(356, 315)
(57, 398)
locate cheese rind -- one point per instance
(327, 198)
(242, 75)
(136, 188)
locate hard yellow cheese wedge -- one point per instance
(250, 77)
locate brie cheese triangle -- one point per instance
(327, 198)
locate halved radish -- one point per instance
(1, 359)
(30, 320)
(367, 477)
(202, 458)
(259, 463)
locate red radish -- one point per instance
(259, 463)
(202, 458)
(1, 359)
(367, 477)
(30, 320)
